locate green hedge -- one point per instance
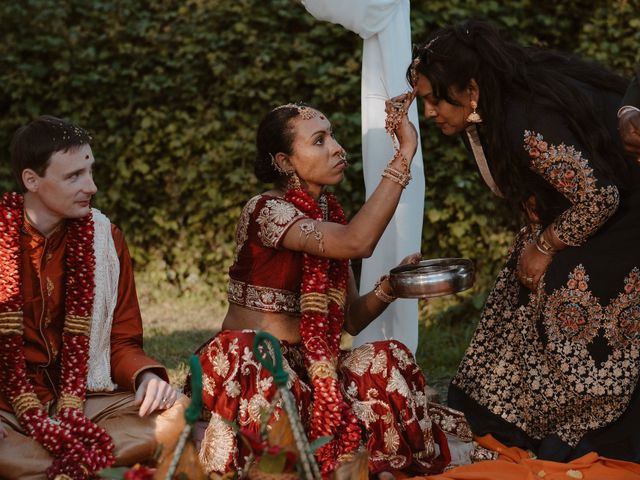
(173, 91)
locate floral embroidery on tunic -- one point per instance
(274, 219)
(570, 173)
(556, 387)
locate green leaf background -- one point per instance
(173, 92)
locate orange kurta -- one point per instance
(43, 285)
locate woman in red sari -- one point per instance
(291, 278)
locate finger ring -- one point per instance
(529, 279)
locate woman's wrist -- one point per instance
(385, 295)
(398, 169)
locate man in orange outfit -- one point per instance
(77, 392)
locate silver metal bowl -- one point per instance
(432, 278)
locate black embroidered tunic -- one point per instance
(557, 371)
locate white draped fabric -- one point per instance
(384, 26)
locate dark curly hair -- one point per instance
(454, 55)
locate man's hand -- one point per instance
(629, 126)
(153, 394)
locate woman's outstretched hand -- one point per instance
(397, 121)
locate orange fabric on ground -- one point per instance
(515, 464)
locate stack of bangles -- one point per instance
(544, 247)
(380, 293)
(403, 177)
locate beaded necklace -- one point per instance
(79, 447)
(322, 301)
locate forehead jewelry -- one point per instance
(306, 113)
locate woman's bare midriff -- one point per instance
(281, 325)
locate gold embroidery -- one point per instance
(359, 359)
(255, 408)
(570, 311)
(208, 385)
(11, 323)
(242, 232)
(314, 302)
(218, 445)
(559, 389)
(50, 287)
(363, 410)
(220, 363)
(391, 440)
(397, 383)
(570, 173)
(623, 328)
(24, 402)
(274, 219)
(379, 364)
(450, 421)
(263, 299)
(233, 389)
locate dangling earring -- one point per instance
(276, 165)
(474, 117)
(293, 181)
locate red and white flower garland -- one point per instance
(323, 293)
(79, 447)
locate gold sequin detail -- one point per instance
(11, 323)
(25, 402)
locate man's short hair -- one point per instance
(33, 144)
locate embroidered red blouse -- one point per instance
(265, 277)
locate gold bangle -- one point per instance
(380, 293)
(545, 245)
(542, 250)
(397, 176)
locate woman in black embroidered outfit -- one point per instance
(553, 365)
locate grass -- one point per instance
(175, 326)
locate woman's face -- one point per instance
(317, 157)
(450, 119)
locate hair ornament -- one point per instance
(306, 113)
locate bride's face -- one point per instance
(450, 119)
(317, 156)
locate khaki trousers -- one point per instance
(135, 439)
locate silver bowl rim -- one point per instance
(461, 263)
(459, 276)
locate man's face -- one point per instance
(67, 186)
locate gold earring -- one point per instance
(474, 117)
(293, 182)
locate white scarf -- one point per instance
(107, 273)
